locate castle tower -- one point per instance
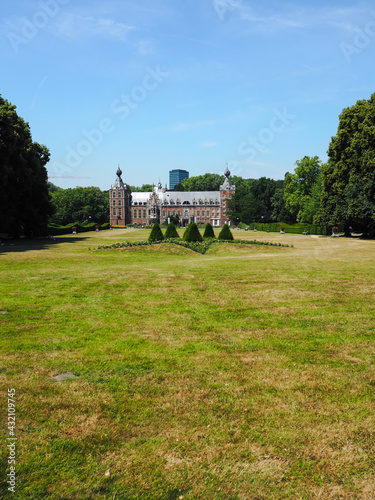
(227, 190)
(120, 202)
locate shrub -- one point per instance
(225, 233)
(193, 233)
(187, 231)
(171, 231)
(209, 231)
(156, 234)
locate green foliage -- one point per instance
(192, 233)
(208, 231)
(348, 192)
(145, 188)
(299, 188)
(298, 228)
(175, 219)
(171, 231)
(52, 188)
(81, 204)
(156, 233)
(185, 236)
(24, 199)
(206, 182)
(56, 230)
(252, 199)
(225, 233)
(279, 210)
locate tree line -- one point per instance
(339, 192)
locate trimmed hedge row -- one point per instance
(56, 230)
(196, 246)
(274, 227)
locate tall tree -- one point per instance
(348, 192)
(298, 186)
(24, 199)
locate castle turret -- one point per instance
(120, 202)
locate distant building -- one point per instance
(176, 177)
(159, 204)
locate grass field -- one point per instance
(244, 373)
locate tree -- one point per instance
(206, 182)
(225, 233)
(348, 180)
(279, 211)
(80, 204)
(156, 233)
(51, 187)
(298, 186)
(193, 233)
(145, 188)
(24, 199)
(208, 231)
(171, 231)
(185, 236)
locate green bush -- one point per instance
(225, 233)
(187, 231)
(171, 231)
(156, 233)
(193, 233)
(208, 231)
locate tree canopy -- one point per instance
(348, 180)
(80, 204)
(206, 182)
(24, 200)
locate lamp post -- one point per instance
(262, 222)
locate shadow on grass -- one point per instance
(42, 243)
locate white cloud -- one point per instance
(73, 26)
(209, 144)
(303, 17)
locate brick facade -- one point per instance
(158, 205)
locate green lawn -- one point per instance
(244, 373)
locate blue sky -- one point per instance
(154, 85)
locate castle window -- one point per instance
(114, 203)
(119, 194)
(164, 213)
(208, 213)
(119, 212)
(114, 211)
(119, 203)
(198, 213)
(144, 214)
(139, 213)
(135, 214)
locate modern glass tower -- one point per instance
(176, 177)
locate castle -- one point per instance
(159, 204)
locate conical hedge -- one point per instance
(185, 236)
(208, 231)
(225, 233)
(193, 233)
(156, 234)
(171, 231)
